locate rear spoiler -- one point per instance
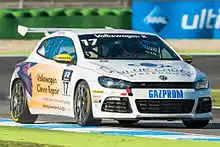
(23, 30)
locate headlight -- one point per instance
(201, 84)
(113, 83)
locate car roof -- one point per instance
(23, 30)
(84, 31)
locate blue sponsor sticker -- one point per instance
(143, 64)
(165, 93)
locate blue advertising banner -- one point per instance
(178, 19)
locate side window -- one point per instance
(64, 45)
(57, 45)
(45, 47)
(41, 50)
(166, 54)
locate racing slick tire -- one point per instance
(127, 122)
(83, 106)
(19, 110)
(195, 123)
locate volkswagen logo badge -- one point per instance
(163, 77)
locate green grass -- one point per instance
(216, 97)
(24, 144)
(91, 140)
(15, 52)
(199, 51)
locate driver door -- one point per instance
(51, 80)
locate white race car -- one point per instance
(95, 74)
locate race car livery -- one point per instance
(95, 74)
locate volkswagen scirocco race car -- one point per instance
(95, 74)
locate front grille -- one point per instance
(164, 106)
(120, 106)
(204, 105)
(182, 85)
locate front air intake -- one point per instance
(164, 106)
(116, 104)
(175, 85)
(204, 105)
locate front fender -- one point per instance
(21, 72)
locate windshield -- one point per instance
(125, 47)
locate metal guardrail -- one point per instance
(64, 3)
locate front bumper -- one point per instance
(195, 104)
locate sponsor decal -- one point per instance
(123, 94)
(96, 100)
(60, 101)
(151, 68)
(41, 88)
(98, 91)
(157, 20)
(143, 64)
(25, 68)
(54, 107)
(64, 58)
(47, 88)
(89, 42)
(165, 94)
(23, 72)
(150, 65)
(116, 36)
(97, 96)
(66, 78)
(42, 78)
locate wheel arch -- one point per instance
(77, 83)
(25, 116)
(89, 119)
(12, 85)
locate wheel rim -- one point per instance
(17, 101)
(81, 103)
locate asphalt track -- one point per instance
(208, 64)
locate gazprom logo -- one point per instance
(157, 20)
(165, 94)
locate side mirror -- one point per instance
(63, 58)
(187, 59)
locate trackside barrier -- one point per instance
(61, 18)
(188, 19)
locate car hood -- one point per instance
(150, 70)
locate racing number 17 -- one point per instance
(66, 77)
